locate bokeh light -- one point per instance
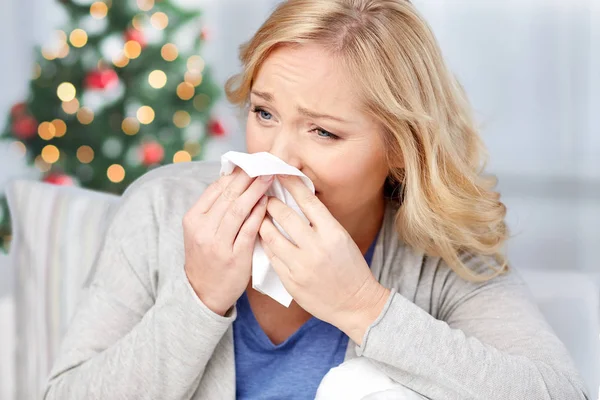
(70, 107)
(46, 130)
(145, 5)
(130, 126)
(181, 119)
(157, 79)
(60, 127)
(193, 147)
(169, 52)
(78, 38)
(66, 91)
(195, 64)
(120, 60)
(115, 173)
(85, 116)
(182, 156)
(193, 78)
(159, 20)
(50, 154)
(41, 165)
(85, 154)
(201, 102)
(132, 49)
(185, 90)
(145, 115)
(99, 10)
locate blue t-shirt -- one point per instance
(292, 369)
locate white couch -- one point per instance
(74, 219)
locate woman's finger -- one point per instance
(297, 228)
(231, 193)
(240, 208)
(206, 200)
(311, 206)
(280, 267)
(212, 193)
(246, 238)
(281, 248)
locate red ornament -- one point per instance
(101, 79)
(205, 34)
(18, 110)
(59, 179)
(134, 34)
(25, 127)
(216, 128)
(152, 153)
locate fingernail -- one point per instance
(263, 200)
(266, 177)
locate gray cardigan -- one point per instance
(141, 333)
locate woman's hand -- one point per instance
(220, 231)
(324, 271)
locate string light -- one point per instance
(169, 52)
(48, 54)
(192, 147)
(98, 10)
(66, 91)
(138, 21)
(70, 107)
(196, 64)
(115, 173)
(85, 116)
(78, 38)
(159, 20)
(201, 102)
(181, 119)
(120, 60)
(130, 126)
(62, 36)
(132, 49)
(60, 127)
(182, 156)
(185, 90)
(63, 51)
(41, 165)
(193, 78)
(46, 130)
(157, 79)
(145, 5)
(145, 115)
(50, 154)
(85, 154)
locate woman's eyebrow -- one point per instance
(308, 113)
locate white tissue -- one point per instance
(359, 379)
(264, 278)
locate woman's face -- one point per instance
(304, 110)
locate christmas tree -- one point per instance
(117, 93)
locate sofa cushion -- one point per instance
(57, 232)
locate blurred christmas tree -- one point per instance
(115, 95)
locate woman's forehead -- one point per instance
(309, 75)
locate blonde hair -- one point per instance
(436, 157)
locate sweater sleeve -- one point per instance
(127, 339)
(490, 342)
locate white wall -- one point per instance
(532, 71)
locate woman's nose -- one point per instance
(284, 148)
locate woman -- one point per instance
(400, 262)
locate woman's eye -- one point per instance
(262, 113)
(322, 133)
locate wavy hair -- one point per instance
(436, 156)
